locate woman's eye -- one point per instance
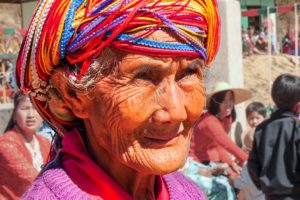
(142, 75)
(187, 72)
(147, 74)
(190, 71)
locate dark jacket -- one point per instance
(274, 162)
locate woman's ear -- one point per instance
(66, 102)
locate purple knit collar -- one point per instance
(178, 186)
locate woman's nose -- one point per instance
(172, 102)
(31, 112)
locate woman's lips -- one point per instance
(163, 137)
(30, 122)
(161, 141)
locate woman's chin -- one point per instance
(29, 130)
(168, 167)
(163, 161)
(161, 169)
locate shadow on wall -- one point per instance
(237, 133)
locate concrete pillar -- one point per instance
(27, 9)
(228, 65)
(5, 113)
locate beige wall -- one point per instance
(27, 11)
(5, 113)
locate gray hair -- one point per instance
(105, 64)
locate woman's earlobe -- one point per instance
(63, 101)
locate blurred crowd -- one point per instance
(263, 166)
(9, 47)
(255, 40)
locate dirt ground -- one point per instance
(258, 76)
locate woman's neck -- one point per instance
(223, 116)
(27, 135)
(227, 122)
(138, 185)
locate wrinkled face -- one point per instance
(144, 110)
(226, 106)
(27, 117)
(254, 119)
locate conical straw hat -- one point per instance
(240, 94)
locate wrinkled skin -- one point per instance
(139, 117)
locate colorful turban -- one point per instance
(76, 31)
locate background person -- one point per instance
(268, 27)
(256, 113)
(287, 42)
(274, 160)
(126, 78)
(22, 151)
(211, 147)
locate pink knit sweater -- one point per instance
(56, 184)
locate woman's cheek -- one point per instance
(136, 107)
(195, 101)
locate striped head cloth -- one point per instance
(76, 31)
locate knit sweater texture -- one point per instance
(55, 184)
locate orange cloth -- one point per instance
(16, 167)
(210, 142)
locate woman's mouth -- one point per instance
(161, 141)
(30, 122)
(157, 138)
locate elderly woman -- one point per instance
(121, 82)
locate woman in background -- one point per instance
(22, 151)
(211, 157)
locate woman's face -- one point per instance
(27, 117)
(254, 119)
(142, 113)
(226, 106)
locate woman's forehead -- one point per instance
(138, 59)
(229, 93)
(25, 100)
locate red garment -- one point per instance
(89, 177)
(16, 167)
(210, 142)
